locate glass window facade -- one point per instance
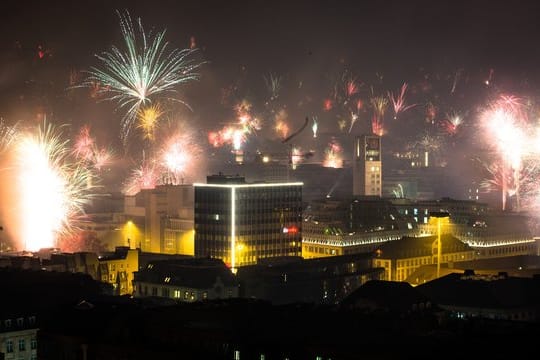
(256, 221)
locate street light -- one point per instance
(439, 216)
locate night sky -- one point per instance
(311, 45)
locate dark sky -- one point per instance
(280, 35)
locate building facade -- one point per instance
(186, 280)
(240, 222)
(401, 258)
(167, 214)
(114, 268)
(18, 337)
(367, 166)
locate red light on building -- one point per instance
(290, 230)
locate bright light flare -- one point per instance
(52, 190)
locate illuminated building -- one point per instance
(186, 280)
(401, 258)
(241, 222)
(367, 166)
(117, 269)
(114, 268)
(333, 227)
(167, 211)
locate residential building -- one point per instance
(402, 257)
(186, 280)
(295, 280)
(18, 336)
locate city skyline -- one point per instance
(455, 80)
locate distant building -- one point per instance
(402, 257)
(320, 281)
(499, 297)
(117, 269)
(114, 268)
(352, 226)
(167, 212)
(395, 297)
(186, 280)
(241, 222)
(367, 166)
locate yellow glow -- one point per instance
(233, 228)
(148, 119)
(132, 235)
(440, 219)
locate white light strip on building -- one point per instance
(233, 186)
(233, 227)
(486, 243)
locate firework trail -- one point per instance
(315, 126)
(52, 189)
(144, 69)
(431, 113)
(497, 179)
(8, 135)
(379, 104)
(354, 117)
(399, 101)
(273, 84)
(457, 76)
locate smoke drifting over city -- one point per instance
(129, 96)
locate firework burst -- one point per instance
(52, 189)
(398, 101)
(148, 120)
(146, 68)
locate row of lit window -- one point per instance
(22, 345)
(321, 250)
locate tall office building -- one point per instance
(241, 222)
(367, 166)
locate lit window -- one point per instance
(9, 346)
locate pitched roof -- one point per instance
(409, 247)
(392, 295)
(193, 273)
(483, 291)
